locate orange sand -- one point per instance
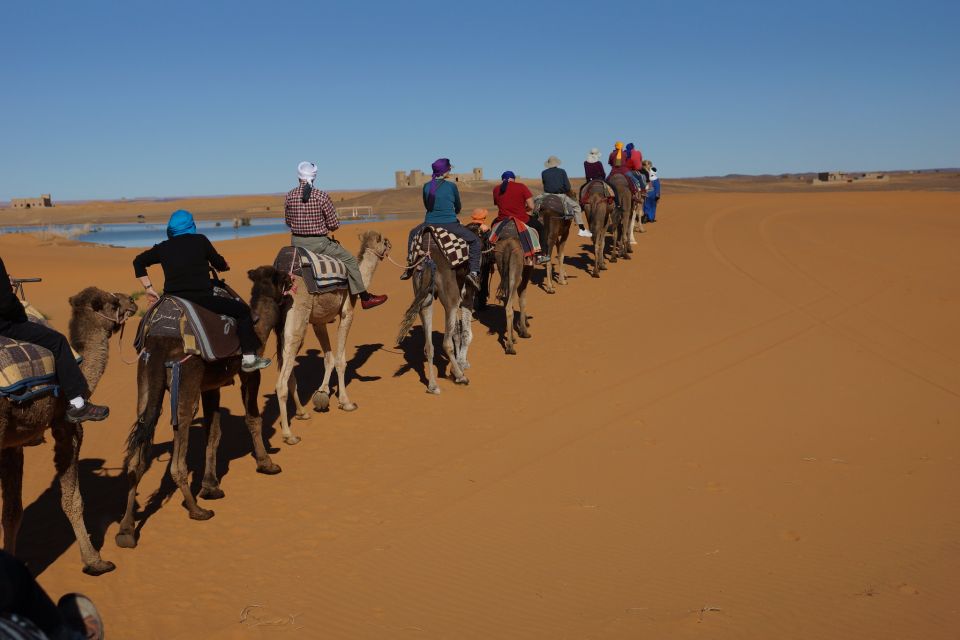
(751, 430)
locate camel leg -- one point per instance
(340, 360)
(449, 330)
(508, 337)
(179, 473)
(249, 392)
(426, 321)
(548, 277)
(66, 457)
(523, 327)
(561, 255)
(210, 488)
(301, 412)
(321, 397)
(293, 333)
(11, 481)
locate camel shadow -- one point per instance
(414, 360)
(46, 534)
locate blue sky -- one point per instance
(134, 98)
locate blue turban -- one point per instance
(181, 223)
(506, 176)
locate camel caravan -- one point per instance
(199, 335)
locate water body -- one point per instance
(147, 234)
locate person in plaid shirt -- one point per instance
(311, 217)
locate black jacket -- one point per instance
(186, 262)
(11, 309)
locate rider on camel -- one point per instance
(514, 200)
(556, 182)
(593, 170)
(441, 199)
(186, 257)
(312, 218)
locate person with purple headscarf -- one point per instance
(441, 199)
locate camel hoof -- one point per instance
(595, 274)
(462, 380)
(551, 290)
(291, 440)
(321, 401)
(510, 351)
(269, 469)
(99, 568)
(433, 390)
(215, 493)
(603, 267)
(126, 540)
(302, 416)
(201, 514)
(626, 256)
(350, 406)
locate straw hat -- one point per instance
(552, 161)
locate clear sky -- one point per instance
(146, 98)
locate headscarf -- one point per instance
(479, 215)
(619, 159)
(506, 176)
(181, 223)
(629, 150)
(307, 171)
(439, 168)
(594, 155)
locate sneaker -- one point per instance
(584, 233)
(258, 363)
(373, 301)
(473, 279)
(543, 258)
(81, 615)
(88, 412)
(407, 274)
(644, 219)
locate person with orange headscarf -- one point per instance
(619, 161)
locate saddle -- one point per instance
(320, 273)
(204, 333)
(529, 239)
(553, 203)
(451, 245)
(631, 183)
(594, 186)
(27, 370)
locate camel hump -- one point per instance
(204, 333)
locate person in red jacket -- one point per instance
(514, 200)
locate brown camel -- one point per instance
(439, 281)
(557, 230)
(96, 315)
(514, 278)
(317, 310)
(620, 220)
(199, 380)
(597, 210)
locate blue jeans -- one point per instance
(473, 242)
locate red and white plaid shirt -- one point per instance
(315, 217)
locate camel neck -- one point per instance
(93, 345)
(368, 264)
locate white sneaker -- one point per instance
(584, 233)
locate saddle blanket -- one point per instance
(27, 370)
(452, 246)
(529, 239)
(592, 186)
(320, 273)
(204, 333)
(553, 202)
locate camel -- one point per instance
(636, 220)
(597, 211)
(95, 316)
(621, 219)
(514, 278)
(318, 310)
(199, 381)
(557, 230)
(439, 281)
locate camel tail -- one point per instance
(424, 289)
(142, 432)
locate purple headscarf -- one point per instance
(440, 167)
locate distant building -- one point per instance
(416, 177)
(32, 203)
(836, 177)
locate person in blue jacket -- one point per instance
(653, 193)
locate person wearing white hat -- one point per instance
(556, 182)
(593, 170)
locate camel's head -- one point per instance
(376, 242)
(268, 283)
(96, 307)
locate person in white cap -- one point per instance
(556, 182)
(311, 216)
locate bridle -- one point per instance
(122, 322)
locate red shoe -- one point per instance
(373, 301)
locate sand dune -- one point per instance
(751, 430)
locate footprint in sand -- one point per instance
(716, 487)
(908, 590)
(790, 536)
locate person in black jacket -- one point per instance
(186, 257)
(14, 324)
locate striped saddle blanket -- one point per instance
(204, 333)
(452, 245)
(320, 273)
(27, 370)
(529, 239)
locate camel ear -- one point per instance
(252, 274)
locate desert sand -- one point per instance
(750, 430)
